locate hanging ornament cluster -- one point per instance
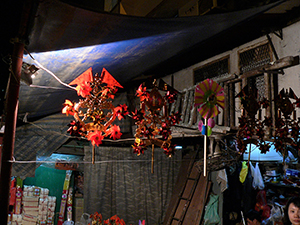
(153, 119)
(252, 129)
(287, 127)
(94, 114)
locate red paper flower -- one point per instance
(175, 118)
(109, 92)
(96, 217)
(139, 146)
(121, 111)
(241, 145)
(97, 220)
(148, 132)
(75, 128)
(95, 137)
(117, 220)
(260, 133)
(142, 93)
(106, 221)
(68, 108)
(278, 145)
(164, 131)
(137, 115)
(171, 96)
(114, 132)
(84, 89)
(264, 147)
(168, 148)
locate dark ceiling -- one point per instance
(67, 40)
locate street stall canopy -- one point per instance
(68, 40)
(64, 41)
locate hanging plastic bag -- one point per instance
(84, 220)
(276, 214)
(258, 181)
(244, 172)
(211, 216)
(251, 169)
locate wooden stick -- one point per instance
(93, 155)
(249, 155)
(152, 163)
(205, 148)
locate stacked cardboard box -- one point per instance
(51, 209)
(16, 219)
(30, 210)
(38, 206)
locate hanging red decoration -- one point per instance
(153, 118)
(287, 126)
(94, 114)
(252, 129)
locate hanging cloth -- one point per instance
(13, 190)
(211, 216)
(222, 179)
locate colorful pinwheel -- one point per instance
(209, 95)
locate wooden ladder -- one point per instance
(189, 196)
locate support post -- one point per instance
(12, 101)
(20, 20)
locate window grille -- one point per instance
(259, 83)
(212, 70)
(254, 58)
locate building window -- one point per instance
(254, 58)
(213, 69)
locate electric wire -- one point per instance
(48, 71)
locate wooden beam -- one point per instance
(273, 67)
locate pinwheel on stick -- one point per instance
(209, 96)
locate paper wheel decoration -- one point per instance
(209, 96)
